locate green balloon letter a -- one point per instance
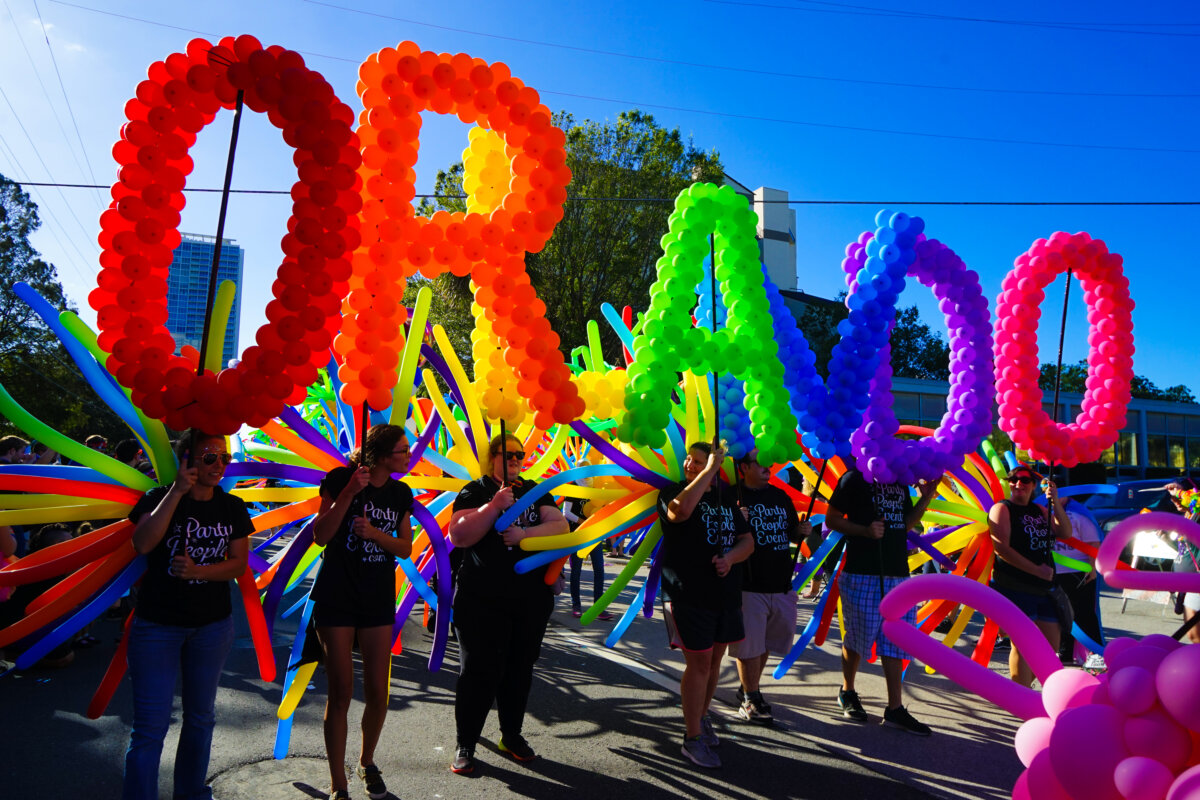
(669, 343)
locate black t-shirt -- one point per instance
(1029, 535)
(688, 548)
(488, 567)
(1186, 556)
(205, 528)
(774, 520)
(864, 503)
(358, 575)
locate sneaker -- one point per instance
(900, 718)
(576, 612)
(517, 747)
(851, 708)
(604, 616)
(464, 761)
(373, 779)
(707, 734)
(741, 696)
(700, 754)
(754, 708)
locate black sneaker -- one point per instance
(373, 779)
(464, 761)
(851, 708)
(517, 747)
(900, 718)
(755, 709)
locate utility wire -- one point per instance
(662, 60)
(872, 11)
(789, 202)
(63, 89)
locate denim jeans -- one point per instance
(157, 654)
(597, 556)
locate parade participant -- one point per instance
(194, 536)
(500, 616)
(573, 510)
(1024, 571)
(1187, 555)
(705, 537)
(364, 524)
(768, 602)
(875, 518)
(1079, 586)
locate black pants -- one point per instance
(498, 642)
(597, 556)
(1083, 603)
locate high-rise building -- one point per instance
(188, 283)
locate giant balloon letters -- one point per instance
(354, 238)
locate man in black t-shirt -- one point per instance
(705, 537)
(768, 602)
(875, 518)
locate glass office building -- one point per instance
(187, 285)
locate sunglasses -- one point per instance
(208, 459)
(1024, 480)
(513, 455)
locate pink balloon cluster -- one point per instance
(1133, 733)
(1110, 356)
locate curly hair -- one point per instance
(380, 442)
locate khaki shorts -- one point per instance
(770, 624)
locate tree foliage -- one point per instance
(917, 351)
(603, 250)
(34, 366)
(1074, 379)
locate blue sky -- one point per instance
(866, 101)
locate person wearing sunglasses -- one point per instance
(364, 524)
(500, 616)
(194, 537)
(1022, 533)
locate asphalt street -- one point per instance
(605, 722)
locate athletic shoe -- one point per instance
(741, 696)
(604, 616)
(851, 708)
(755, 709)
(900, 718)
(464, 761)
(517, 747)
(576, 612)
(707, 734)
(700, 754)
(373, 779)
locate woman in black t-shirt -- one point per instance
(194, 537)
(499, 616)
(364, 524)
(1024, 570)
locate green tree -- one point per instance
(917, 351)
(34, 366)
(1074, 379)
(603, 250)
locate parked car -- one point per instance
(1129, 499)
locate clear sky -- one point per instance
(904, 104)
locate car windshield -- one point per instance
(1130, 495)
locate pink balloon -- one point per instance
(1032, 738)
(1084, 738)
(1139, 778)
(1043, 783)
(1131, 689)
(1155, 735)
(1146, 656)
(1068, 688)
(1124, 532)
(1162, 640)
(1117, 646)
(1177, 680)
(1009, 695)
(1186, 786)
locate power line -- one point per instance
(676, 62)
(872, 11)
(63, 89)
(768, 202)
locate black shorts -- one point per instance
(697, 629)
(1039, 607)
(327, 615)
